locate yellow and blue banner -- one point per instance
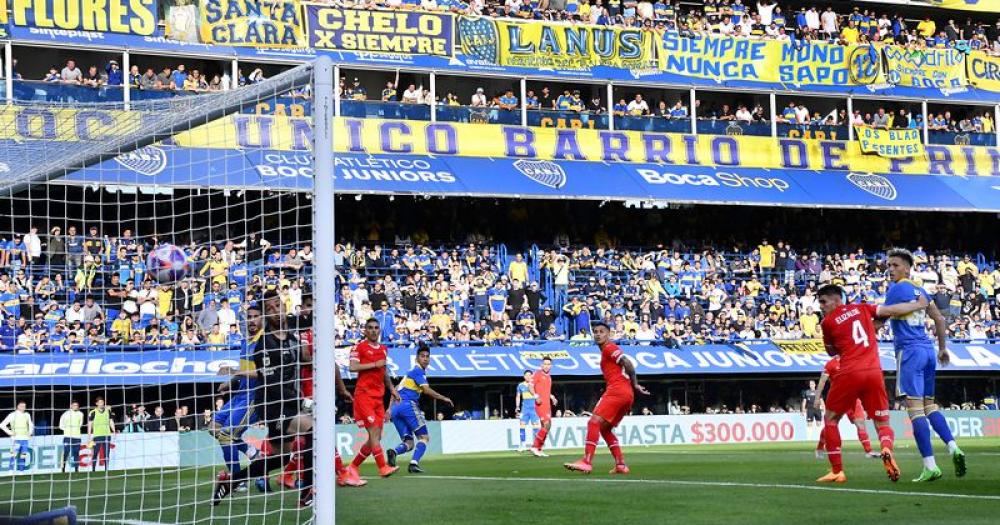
(253, 23)
(925, 68)
(889, 143)
(984, 71)
(982, 6)
(374, 31)
(134, 17)
(554, 46)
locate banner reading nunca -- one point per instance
(551, 46)
(252, 23)
(394, 32)
(891, 143)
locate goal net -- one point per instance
(145, 247)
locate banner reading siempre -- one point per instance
(136, 17)
(925, 68)
(394, 32)
(554, 46)
(984, 71)
(254, 23)
(890, 143)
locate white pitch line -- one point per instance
(723, 484)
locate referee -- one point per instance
(70, 422)
(100, 428)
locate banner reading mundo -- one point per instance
(253, 23)
(927, 68)
(552, 46)
(136, 17)
(393, 32)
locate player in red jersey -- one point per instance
(855, 415)
(616, 403)
(345, 477)
(368, 360)
(544, 401)
(849, 331)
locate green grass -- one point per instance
(688, 484)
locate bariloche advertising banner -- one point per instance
(167, 367)
(446, 41)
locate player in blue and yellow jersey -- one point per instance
(916, 365)
(407, 416)
(238, 413)
(525, 399)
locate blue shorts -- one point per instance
(408, 419)
(529, 415)
(234, 418)
(916, 368)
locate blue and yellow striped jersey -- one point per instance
(413, 384)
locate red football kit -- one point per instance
(850, 331)
(543, 395)
(369, 410)
(831, 369)
(306, 370)
(616, 403)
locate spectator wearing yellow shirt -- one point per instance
(766, 255)
(926, 28)
(442, 321)
(754, 287)
(967, 264)
(850, 34)
(217, 269)
(809, 321)
(216, 337)
(122, 325)
(164, 300)
(518, 269)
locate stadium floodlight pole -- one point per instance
(323, 292)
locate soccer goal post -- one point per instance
(146, 249)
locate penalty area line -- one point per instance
(735, 484)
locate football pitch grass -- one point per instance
(684, 484)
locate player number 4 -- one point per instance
(859, 333)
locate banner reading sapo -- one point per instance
(984, 71)
(136, 17)
(890, 143)
(254, 23)
(553, 46)
(394, 32)
(926, 68)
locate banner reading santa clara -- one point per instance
(254, 23)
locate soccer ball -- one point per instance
(167, 263)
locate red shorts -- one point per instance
(857, 413)
(369, 412)
(544, 411)
(866, 386)
(613, 406)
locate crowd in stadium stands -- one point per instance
(763, 19)
(73, 291)
(176, 79)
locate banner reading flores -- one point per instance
(890, 143)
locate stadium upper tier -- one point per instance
(91, 293)
(860, 48)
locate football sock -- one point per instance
(419, 451)
(822, 440)
(306, 462)
(886, 436)
(339, 462)
(612, 441)
(922, 435)
(362, 456)
(522, 435)
(379, 456)
(865, 441)
(593, 431)
(402, 448)
(540, 438)
(940, 425)
(833, 446)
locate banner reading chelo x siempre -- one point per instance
(394, 32)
